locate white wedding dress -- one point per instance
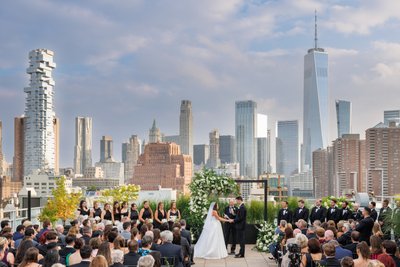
(211, 243)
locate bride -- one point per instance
(211, 243)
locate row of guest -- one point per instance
(336, 214)
(118, 212)
(80, 248)
(322, 244)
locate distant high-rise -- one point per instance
(41, 125)
(154, 134)
(106, 149)
(287, 147)
(262, 157)
(19, 139)
(162, 164)
(227, 148)
(316, 108)
(391, 115)
(322, 173)
(83, 144)
(214, 160)
(245, 134)
(186, 128)
(201, 153)
(343, 117)
(269, 164)
(1, 149)
(130, 156)
(383, 159)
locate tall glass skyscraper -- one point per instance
(83, 144)
(343, 117)
(316, 108)
(246, 143)
(287, 147)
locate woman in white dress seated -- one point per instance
(211, 243)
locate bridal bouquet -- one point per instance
(266, 236)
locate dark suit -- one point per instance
(345, 239)
(384, 216)
(333, 214)
(318, 213)
(86, 239)
(357, 215)
(330, 262)
(240, 224)
(131, 258)
(353, 248)
(83, 263)
(340, 253)
(285, 214)
(300, 213)
(186, 234)
(365, 228)
(230, 227)
(345, 214)
(170, 250)
(374, 214)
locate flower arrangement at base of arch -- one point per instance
(266, 236)
(205, 187)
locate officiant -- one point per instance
(229, 228)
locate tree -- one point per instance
(62, 205)
(123, 193)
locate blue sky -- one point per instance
(127, 62)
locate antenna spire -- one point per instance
(316, 32)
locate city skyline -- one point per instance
(235, 51)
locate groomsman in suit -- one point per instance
(240, 223)
(230, 213)
(385, 213)
(396, 218)
(318, 212)
(284, 213)
(345, 212)
(365, 226)
(301, 212)
(374, 214)
(333, 212)
(356, 214)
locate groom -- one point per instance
(240, 224)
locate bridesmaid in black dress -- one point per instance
(134, 212)
(124, 210)
(83, 209)
(160, 216)
(173, 214)
(145, 214)
(107, 214)
(96, 210)
(116, 211)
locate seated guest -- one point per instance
(340, 252)
(19, 232)
(132, 257)
(363, 255)
(95, 243)
(311, 232)
(105, 251)
(69, 248)
(52, 257)
(87, 234)
(98, 261)
(389, 247)
(185, 233)
(117, 258)
(345, 238)
(353, 245)
(75, 257)
(29, 234)
(314, 255)
(30, 258)
(376, 246)
(169, 250)
(146, 261)
(329, 236)
(347, 262)
(51, 237)
(181, 241)
(126, 233)
(329, 252)
(302, 225)
(320, 235)
(387, 258)
(86, 255)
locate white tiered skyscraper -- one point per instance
(41, 128)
